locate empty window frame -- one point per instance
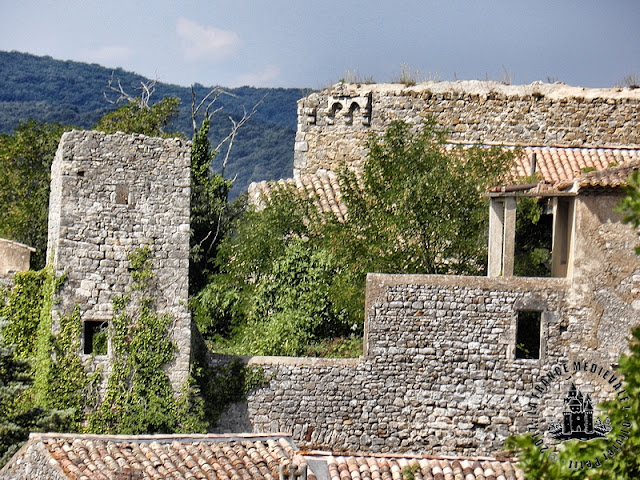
(96, 337)
(528, 332)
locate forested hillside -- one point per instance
(72, 93)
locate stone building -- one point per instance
(446, 367)
(110, 196)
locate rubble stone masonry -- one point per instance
(333, 124)
(111, 195)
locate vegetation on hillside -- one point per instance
(73, 93)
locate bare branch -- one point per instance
(216, 92)
(147, 89)
(234, 130)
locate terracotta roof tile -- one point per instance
(611, 177)
(235, 457)
(373, 467)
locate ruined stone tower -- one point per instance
(111, 195)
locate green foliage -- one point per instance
(25, 165)
(209, 197)
(291, 307)
(624, 413)
(22, 305)
(630, 204)
(291, 277)
(136, 117)
(419, 208)
(139, 396)
(532, 239)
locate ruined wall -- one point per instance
(110, 195)
(439, 373)
(333, 125)
(604, 299)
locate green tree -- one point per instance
(418, 207)
(137, 116)
(209, 197)
(25, 166)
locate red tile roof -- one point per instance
(227, 456)
(323, 187)
(556, 164)
(612, 177)
(96, 457)
(556, 167)
(373, 467)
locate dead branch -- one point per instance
(235, 126)
(216, 92)
(147, 89)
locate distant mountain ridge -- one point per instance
(72, 93)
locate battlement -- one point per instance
(334, 124)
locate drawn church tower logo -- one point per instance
(577, 419)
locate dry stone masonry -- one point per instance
(111, 195)
(333, 124)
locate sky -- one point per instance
(313, 44)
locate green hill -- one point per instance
(73, 93)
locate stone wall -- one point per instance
(14, 257)
(111, 195)
(440, 372)
(333, 125)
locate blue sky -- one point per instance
(300, 43)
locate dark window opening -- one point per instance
(533, 239)
(96, 337)
(122, 194)
(528, 334)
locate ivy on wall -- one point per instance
(139, 397)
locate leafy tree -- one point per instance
(532, 239)
(292, 308)
(138, 116)
(418, 207)
(209, 197)
(20, 415)
(25, 165)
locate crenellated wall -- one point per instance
(333, 124)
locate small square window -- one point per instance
(122, 194)
(96, 337)
(528, 334)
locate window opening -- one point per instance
(96, 337)
(122, 194)
(533, 239)
(528, 329)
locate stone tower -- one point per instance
(111, 195)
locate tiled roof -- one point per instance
(241, 457)
(607, 178)
(373, 467)
(323, 187)
(555, 166)
(227, 456)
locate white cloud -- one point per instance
(205, 43)
(111, 55)
(263, 78)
